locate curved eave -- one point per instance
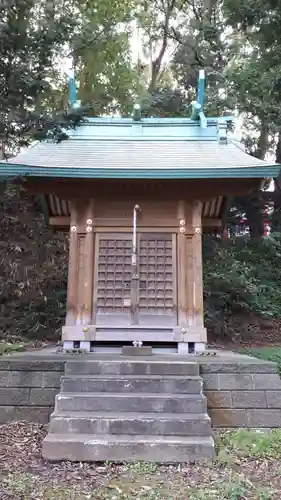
(268, 171)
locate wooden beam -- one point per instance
(208, 222)
(191, 189)
(59, 221)
(64, 222)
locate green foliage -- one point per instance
(164, 102)
(267, 353)
(32, 292)
(31, 36)
(240, 278)
(255, 444)
(143, 468)
(9, 348)
(106, 77)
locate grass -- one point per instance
(23, 487)
(9, 348)
(247, 467)
(270, 353)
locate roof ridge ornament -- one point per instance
(136, 114)
(201, 88)
(197, 106)
(222, 132)
(74, 103)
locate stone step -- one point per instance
(133, 383)
(162, 449)
(165, 424)
(131, 367)
(130, 402)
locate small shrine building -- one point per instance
(135, 195)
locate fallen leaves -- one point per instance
(26, 476)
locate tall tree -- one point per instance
(254, 73)
(100, 48)
(32, 34)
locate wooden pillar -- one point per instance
(72, 289)
(195, 289)
(182, 265)
(190, 281)
(88, 277)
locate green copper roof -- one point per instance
(161, 148)
(137, 173)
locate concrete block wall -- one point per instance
(243, 394)
(28, 389)
(240, 394)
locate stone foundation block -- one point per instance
(26, 379)
(210, 381)
(7, 414)
(32, 364)
(228, 417)
(134, 367)
(14, 396)
(136, 351)
(266, 381)
(4, 379)
(235, 381)
(273, 399)
(219, 399)
(101, 402)
(42, 397)
(249, 399)
(170, 449)
(264, 418)
(51, 379)
(40, 415)
(249, 366)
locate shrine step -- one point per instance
(131, 367)
(131, 402)
(164, 449)
(134, 383)
(130, 409)
(156, 424)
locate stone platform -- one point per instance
(130, 410)
(241, 391)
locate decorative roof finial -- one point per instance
(222, 132)
(201, 88)
(136, 115)
(72, 89)
(197, 112)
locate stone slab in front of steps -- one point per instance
(155, 424)
(134, 383)
(131, 367)
(162, 449)
(167, 403)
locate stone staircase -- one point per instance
(130, 410)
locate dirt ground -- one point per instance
(247, 466)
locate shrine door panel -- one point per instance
(157, 279)
(112, 293)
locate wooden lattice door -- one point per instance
(157, 274)
(155, 295)
(113, 279)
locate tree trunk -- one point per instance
(254, 211)
(254, 205)
(276, 216)
(156, 63)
